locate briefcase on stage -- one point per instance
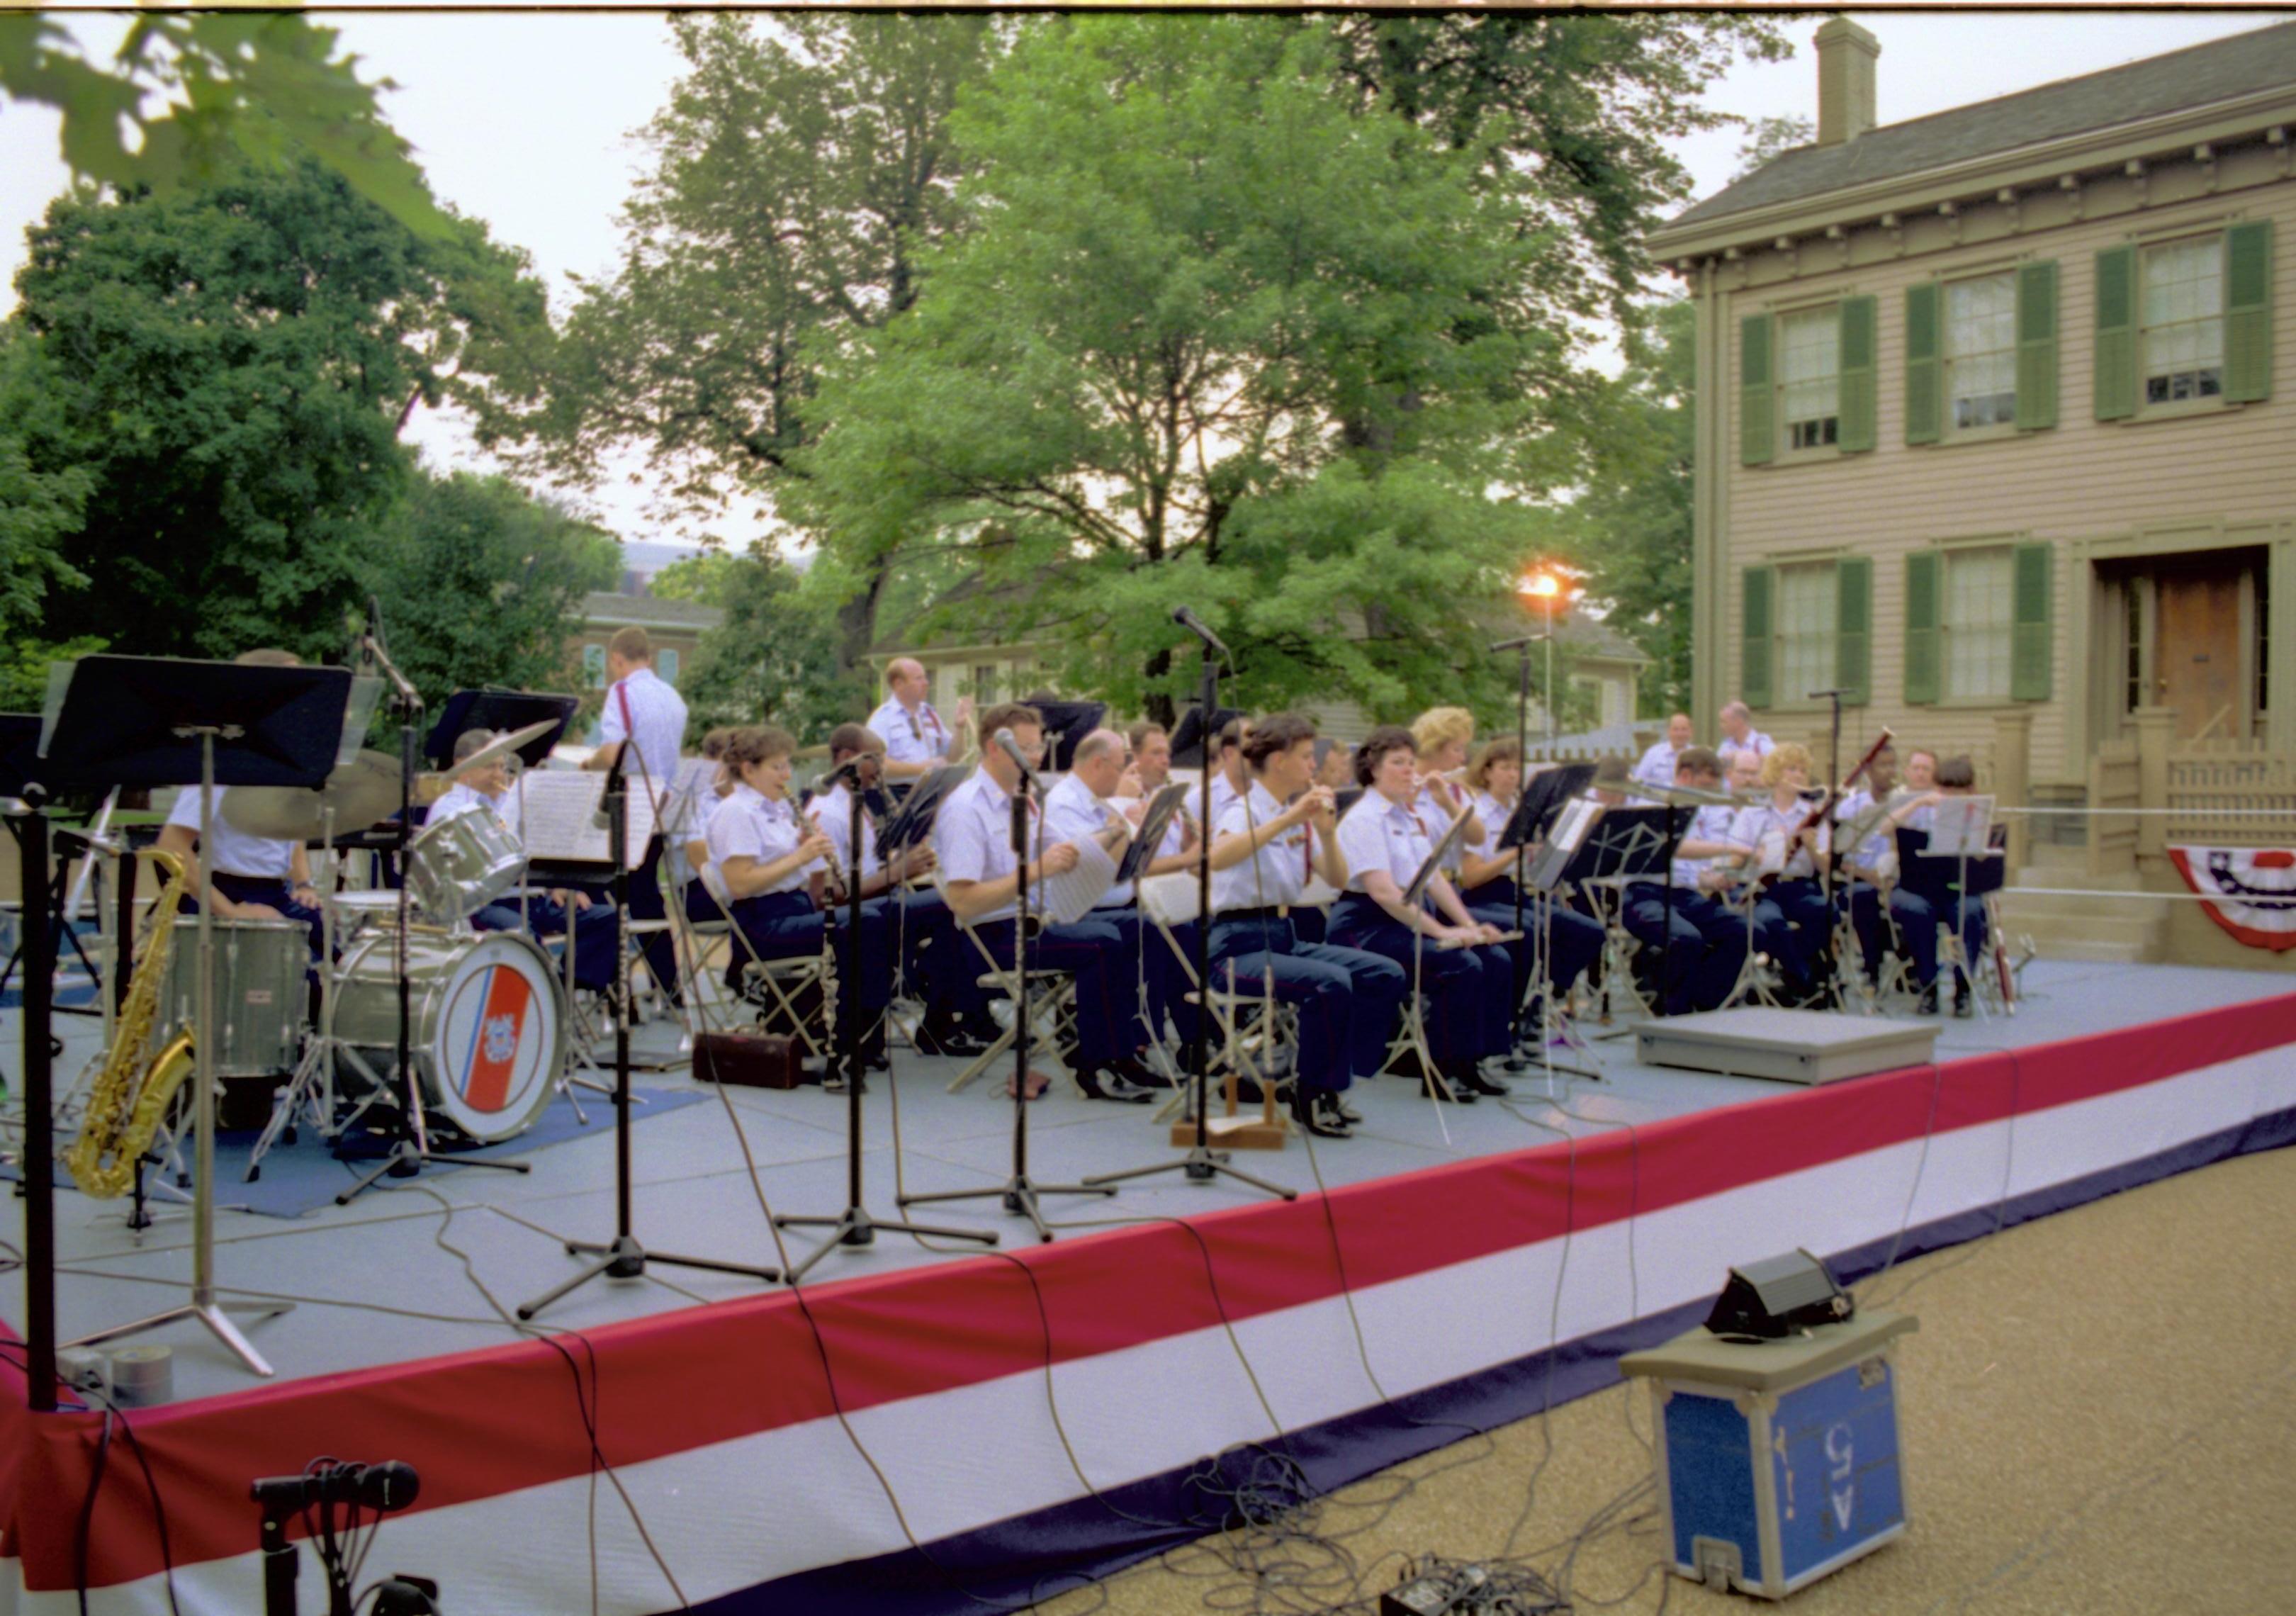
(752, 1060)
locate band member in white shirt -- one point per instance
(1739, 735)
(916, 741)
(642, 724)
(487, 791)
(1230, 781)
(1487, 879)
(1703, 945)
(1790, 917)
(1863, 869)
(767, 854)
(1657, 764)
(1273, 839)
(1383, 840)
(1934, 780)
(936, 962)
(249, 877)
(711, 790)
(982, 880)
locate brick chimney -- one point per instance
(1845, 81)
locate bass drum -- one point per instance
(260, 998)
(484, 1024)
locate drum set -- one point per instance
(486, 1010)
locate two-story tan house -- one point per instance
(1996, 431)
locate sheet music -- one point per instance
(563, 820)
(1069, 897)
(1961, 827)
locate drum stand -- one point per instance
(623, 1257)
(413, 1151)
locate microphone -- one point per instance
(1194, 625)
(1517, 644)
(381, 1488)
(1004, 738)
(1820, 695)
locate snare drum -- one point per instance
(457, 866)
(483, 1025)
(260, 998)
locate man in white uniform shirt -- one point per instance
(916, 741)
(644, 719)
(487, 791)
(1739, 735)
(982, 880)
(250, 877)
(1657, 764)
(1699, 946)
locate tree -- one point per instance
(802, 163)
(1209, 334)
(478, 582)
(228, 367)
(1632, 529)
(774, 660)
(1771, 137)
(235, 88)
(38, 507)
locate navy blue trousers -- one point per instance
(1345, 997)
(785, 925)
(1093, 953)
(594, 932)
(1791, 921)
(1469, 1011)
(1703, 945)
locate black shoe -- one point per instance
(1349, 1114)
(1447, 1087)
(1476, 1083)
(1964, 1004)
(1309, 1112)
(1927, 1005)
(1101, 1084)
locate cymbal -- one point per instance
(361, 791)
(501, 747)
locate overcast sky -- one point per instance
(528, 119)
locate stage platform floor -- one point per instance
(407, 1271)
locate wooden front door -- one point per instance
(2198, 665)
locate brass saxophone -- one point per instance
(123, 1113)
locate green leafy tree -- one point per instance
(1632, 529)
(1771, 137)
(803, 161)
(478, 582)
(1209, 334)
(38, 507)
(774, 660)
(228, 368)
(234, 87)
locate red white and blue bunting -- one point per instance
(2250, 891)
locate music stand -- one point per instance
(913, 821)
(162, 721)
(855, 1227)
(623, 1257)
(500, 712)
(1188, 741)
(1446, 844)
(1066, 725)
(1163, 808)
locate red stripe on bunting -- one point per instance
(486, 1422)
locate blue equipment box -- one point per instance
(1777, 1461)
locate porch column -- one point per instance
(2013, 746)
(2156, 727)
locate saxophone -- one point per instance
(123, 1113)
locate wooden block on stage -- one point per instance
(1785, 1046)
(1252, 1131)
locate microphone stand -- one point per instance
(1202, 1164)
(1018, 1192)
(412, 1148)
(623, 1258)
(1835, 998)
(854, 1226)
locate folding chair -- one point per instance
(1257, 1036)
(1052, 1005)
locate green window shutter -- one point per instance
(1853, 629)
(1756, 635)
(2037, 347)
(1925, 370)
(2248, 313)
(2031, 614)
(1923, 653)
(1858, 319)
(1757, 409)
(2116, 334)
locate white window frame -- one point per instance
(593, 667)
(1822, 388)
(1999, 353)
(1956, 629)
(668, 661)
(2203, 316)
(1804, 658)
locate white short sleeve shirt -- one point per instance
(1278, 873)
(233, 852)
(643, 710)
(749, 826)
(911, 737)
(1377, 834)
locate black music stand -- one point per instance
(411, 1151)
(1166, 805)
(20, 749)
(161, 721)
(1536, 805)
(1066, 725)
(1190, 740)
(854, 1226)
(623, 1257)
(500, 712)
(912, 823)
(1019, 1192)
(1202, 1164)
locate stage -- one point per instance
(1041, 1412)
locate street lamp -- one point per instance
(1542, 584)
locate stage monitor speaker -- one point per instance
(1773, 1298)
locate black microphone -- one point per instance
(1516, 645)
(1004, 738)
(1820, 695)
(1194, 625)
(381, 1488)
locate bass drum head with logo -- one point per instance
(494, 1037)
